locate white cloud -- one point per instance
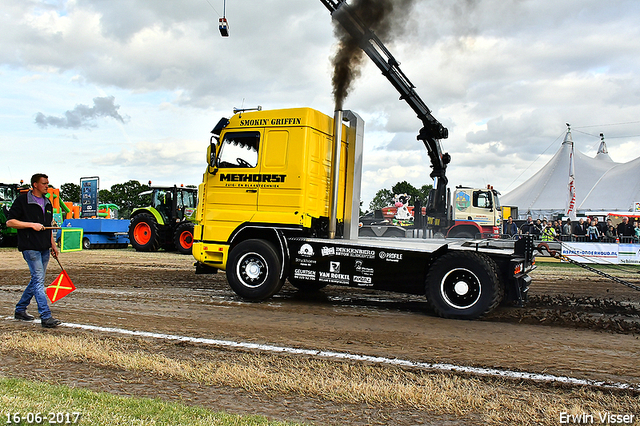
(503, 76)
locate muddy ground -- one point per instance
(576, 324)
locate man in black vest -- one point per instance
(31, 213)
(625, 229)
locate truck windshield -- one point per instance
(496, 201)
(482, 199)
(239, 149)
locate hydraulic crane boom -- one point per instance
(432, 130)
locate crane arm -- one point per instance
(432, 130)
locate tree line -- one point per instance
(127, 195)
(384, 197)
(124, 195)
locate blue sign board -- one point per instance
(89, 196)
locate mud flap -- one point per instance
(522, 290)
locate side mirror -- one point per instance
(213, 155)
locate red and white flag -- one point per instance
(571, 195)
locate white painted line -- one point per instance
(491, 372)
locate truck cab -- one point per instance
(267, 168)
(476, 213)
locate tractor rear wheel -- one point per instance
(463, 285)
(143, 233)
(183, 237)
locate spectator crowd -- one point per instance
(583, 230)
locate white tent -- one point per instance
(601, 185)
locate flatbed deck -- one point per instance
(421, 245)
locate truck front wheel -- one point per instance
(463, 285)
(253, 270)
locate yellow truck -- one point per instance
(279, 200)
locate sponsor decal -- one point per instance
(304, 274)
(252, 177)
(306, 250)
(271, 122)
(328, 251)
(333, 277)
(362, 269)
(355, 252)
(362, 281)
(305, 262)
(334, 267)
(390, 257)
(463, 201)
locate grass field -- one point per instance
(496, 401)
(25, 402)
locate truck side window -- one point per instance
(482, 199)
(239, 149)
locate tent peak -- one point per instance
(568, 138)
(603, 153)
(603, 146)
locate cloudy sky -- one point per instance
(130, 89)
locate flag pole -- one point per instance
(58, 260)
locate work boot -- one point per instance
(23, 316)
(50, 322)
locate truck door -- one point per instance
(483, 208)
(232, 191)
(281, 190)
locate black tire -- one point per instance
(143, 233)
(253, 270)
(86, 244)
(466, 235)
(463, 285)
(307, 286)
(183, 237)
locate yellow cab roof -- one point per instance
(291, 117)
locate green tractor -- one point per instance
(167, 223)
(8, 193)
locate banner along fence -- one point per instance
(602, 253)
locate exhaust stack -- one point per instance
(335, 176)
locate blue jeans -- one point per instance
(37, 261)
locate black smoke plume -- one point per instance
(384, 17)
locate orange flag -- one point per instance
(60, 287)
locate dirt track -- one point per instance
(576, 325)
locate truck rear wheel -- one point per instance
(253, 270)
(143, 233)
(183, 237)
(463, 285)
